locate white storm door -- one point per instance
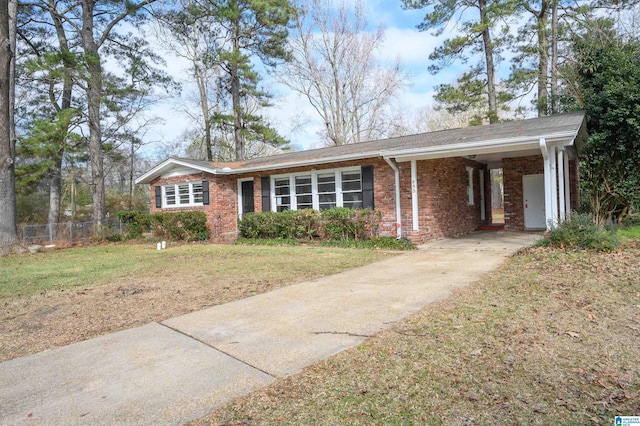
(534, 205)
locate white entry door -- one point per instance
(533, 192)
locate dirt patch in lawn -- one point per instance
(550, 338)
(152, 287)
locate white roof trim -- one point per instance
(482, 147)
(167, 165)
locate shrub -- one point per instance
(289, 224)
(114, 238)
(136, 222)
(334, 224)
(187, 226)
(350, 224)
(580, 232)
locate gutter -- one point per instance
(396, 170)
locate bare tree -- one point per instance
(335, 68)
(8, 232)
(429, 119)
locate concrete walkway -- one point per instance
(181, 369)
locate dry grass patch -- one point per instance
(64, 296)
(550, 338)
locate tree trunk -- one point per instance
(488, 55)
(554, 59)
(55, 191)
(55, 186)
(543, 62)
(204, 106)
(94, 92)
(237, 114)
(131, 173)
(8, 231)
(238, 137)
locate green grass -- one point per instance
(632, 232)
(550, 338)
(26, 275)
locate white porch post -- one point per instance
(396, 171)
(548, 201)
(561, 185)
(554, 185)
(414, 196)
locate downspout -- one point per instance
(396, 171)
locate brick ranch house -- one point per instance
(427, 186)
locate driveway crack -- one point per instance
(216, 349)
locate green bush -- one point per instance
(186, 226)
(289, 224)
(114, 238)
(136, 222)
(334, 224)
(581, 233)
(350, 224)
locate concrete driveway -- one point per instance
(184, 367)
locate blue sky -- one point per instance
(402, 39)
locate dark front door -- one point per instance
(247, 196)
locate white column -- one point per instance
(561, 185)
(414, 196)
(554, 185)
(396, 171)
(567, 186)
(547, 183)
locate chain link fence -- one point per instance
(69, 232)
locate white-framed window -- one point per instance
(470, 186)
(326, 189)
(282, 192)
(319, 190)
(351, 189)
(182, 194)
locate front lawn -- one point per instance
(63, 296)
(550, 338)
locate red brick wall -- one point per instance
(222, 209)
(441, 187)
(442, 198)
(513, 169)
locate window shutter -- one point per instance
(367, 187)
(266, 193)
(158, 197)
(205, 192)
